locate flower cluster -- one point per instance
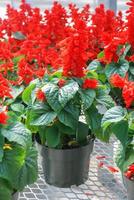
(130, 172)
(127, 88)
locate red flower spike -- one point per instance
(40, 95)
(117, 81)
(3, 117)
(90, 84)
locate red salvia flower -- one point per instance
(3, 117)
(40, 95)
(128, 93)
(117, 81)
(90, 84)
(130, 172)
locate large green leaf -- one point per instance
(113, 115)
(117, 68)
(67, 119)
(18, 133)
(11, 162)
(18, 107)
(52, 94)
(52, 136)
(16, 91)
(87, 97)
(41, 114)
(28, 172)
(5, 190)
(104, 99)
(120, 129)
(67, 92)
(93, 118)
(120, 157)
(43, 119)
(27, 94)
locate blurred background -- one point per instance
(116, 5)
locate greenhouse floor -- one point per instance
(101, 185)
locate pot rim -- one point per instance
(90, 142)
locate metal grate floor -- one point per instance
(101, 185)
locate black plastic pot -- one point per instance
(15, 196)
(63, 168)
(130, 188)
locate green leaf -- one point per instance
(44, 119)
(100, 55)
(5, 190)
(113, 115)
(117, 68)
(11, 162)
(41, 114)
(93, 119)
(2, 141)
(120, 157)
(67, 92)
(16, 91)
(26, 96)
(18, 133)
(52, 136)
(120, 129)
(87, 97)
(94, 65)
(104, 99)
(17, 59)
(19, 36)
(82, 133)
(131, 68)
(18, 107)
(67, 119)
(52, 94)
(28, 172)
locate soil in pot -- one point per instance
(66, 167)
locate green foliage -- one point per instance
(117, 68)
(27, 94)
(57, 118)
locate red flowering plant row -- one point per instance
(17, 156)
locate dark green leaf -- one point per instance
(18, 133)
(117, 68)
(28, 172)
(87, 97)
(26, 96)
(67, 92)
(52, 136)
(120, 129)
(52, 94)
(113, 115)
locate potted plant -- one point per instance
(55, 105)
(18, 156)
(119, 120)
